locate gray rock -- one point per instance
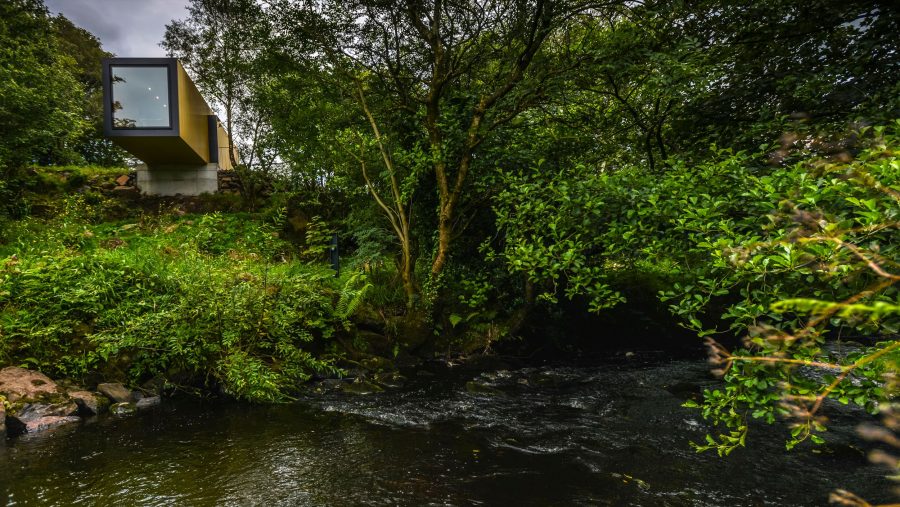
(18, 383)
(2, 417)
(148, 402)
(34, 409)
(123, 408)
(116, 392)
(89, 403)
(48, 422)
(33, 416)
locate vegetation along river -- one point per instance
(612, 433)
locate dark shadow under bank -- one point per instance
(571, 334)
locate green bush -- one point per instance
(213, 298)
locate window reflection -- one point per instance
(140, 97)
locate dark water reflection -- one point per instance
(609, 434)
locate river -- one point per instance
(608, 433)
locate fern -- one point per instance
(351, 296)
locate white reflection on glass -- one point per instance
(134, 103)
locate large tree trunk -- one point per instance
(443, 246)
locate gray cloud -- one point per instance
(125, 27)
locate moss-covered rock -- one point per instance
(122, 409)
(89, 403)
(18, 383)
(479, 388)
(116, 392)
(361, 387)
(33, 401)
(30, 415)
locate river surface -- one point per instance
(612, 433)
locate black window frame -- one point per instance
(171, 65)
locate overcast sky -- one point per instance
(125, 27)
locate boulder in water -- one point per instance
(116, 392)
(332, 383)
(361, 387)
(35, 402)
(375, 343)
(31, 416)
(325, 385)
(406, 360)
(48, 422)
(89, 403)
(18, 383)
(123, 408)
(149, 402)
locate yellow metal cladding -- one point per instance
(224, 157)
(193, 116)
(160, 150)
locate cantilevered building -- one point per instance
(154, 111)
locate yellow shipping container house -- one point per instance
(154, 111)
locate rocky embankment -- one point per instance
(30, 402)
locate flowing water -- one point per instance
(612, 433)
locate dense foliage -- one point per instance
(214, 297)
(781, 254)
(50, 97)
(41, 99)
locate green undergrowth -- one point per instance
(217, 300)
(35, 190)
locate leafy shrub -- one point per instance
(214, 298)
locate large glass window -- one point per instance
(140, 97)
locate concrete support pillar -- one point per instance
(178, 179)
